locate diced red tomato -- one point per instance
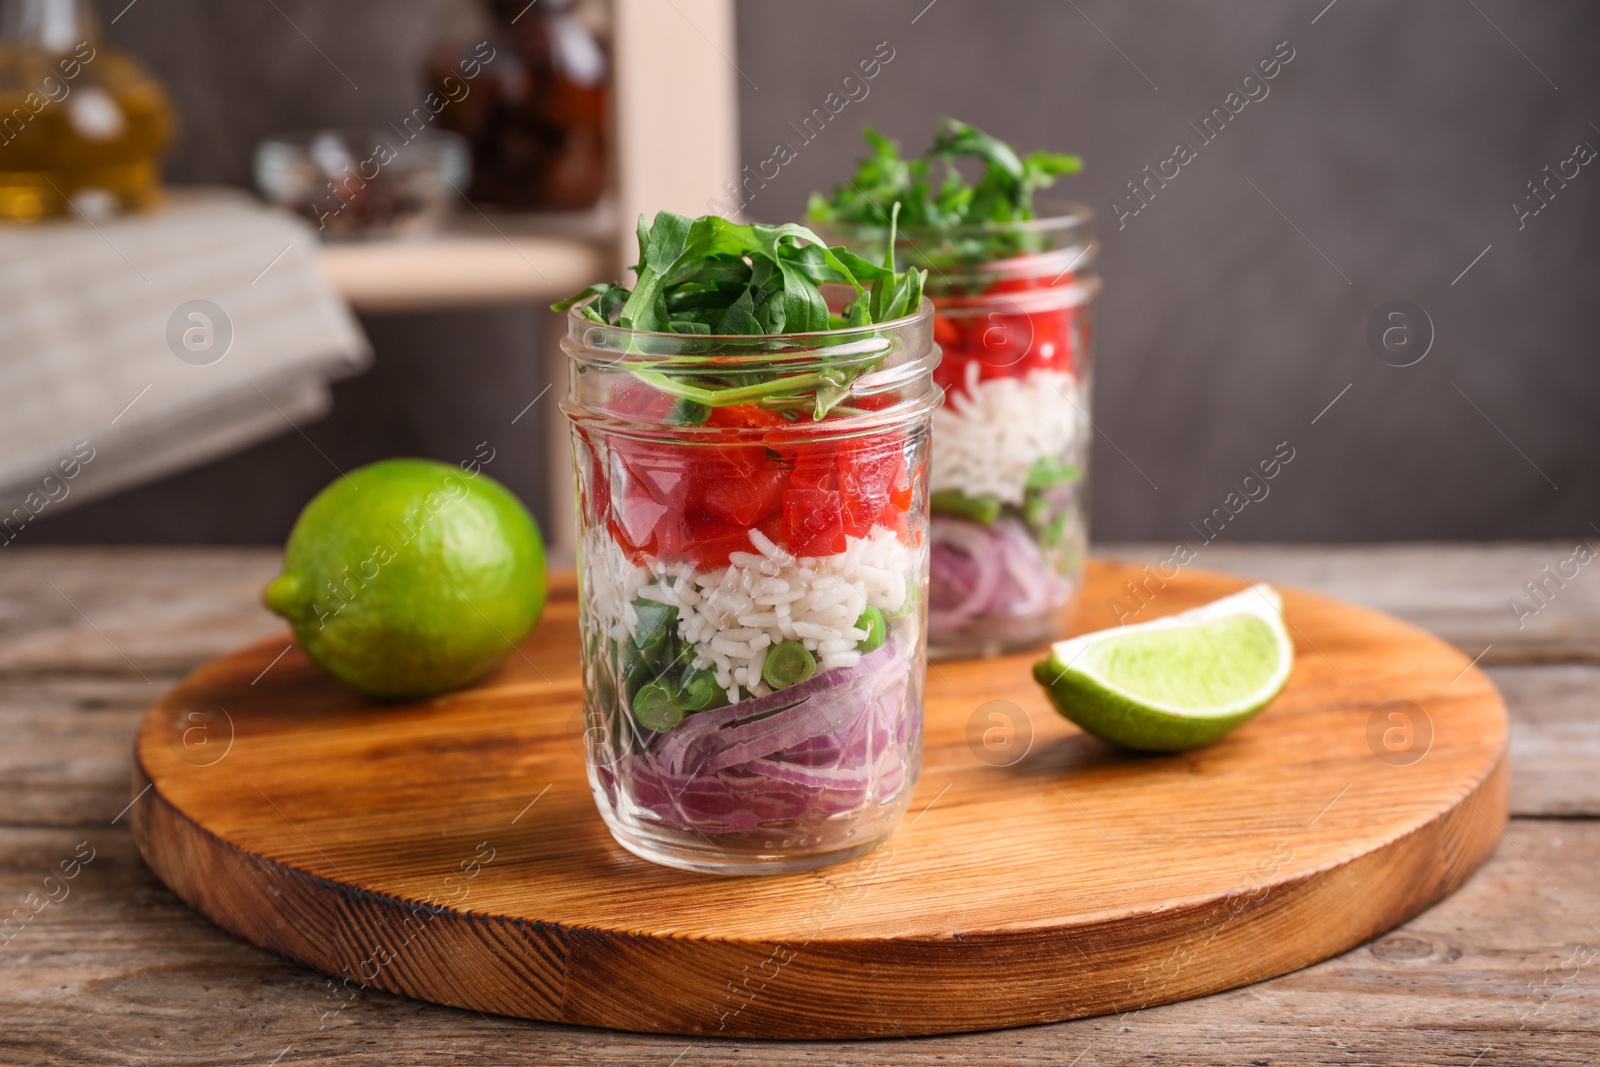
(815, 465)
(707, 541)
(668, 485)
(865, 481)
(1028, 282)
(772, 527)
(900, 488)
(697, 502)
(708, 463)
(746, 416)
(1002, 343)
(813, 522)
(633, 399)
(658, 468)
(745, 500)
(642, 523)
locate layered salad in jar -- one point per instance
(1013, 292)
(750, 429)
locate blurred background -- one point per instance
(1386, 162)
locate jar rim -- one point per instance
(894, 358)
(1060, 240)
(735, 346)
(1054, 215)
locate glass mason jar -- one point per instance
(753, 587)
(1014, 319)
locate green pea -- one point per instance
(788, 663)
(655, 708)
(877, 629)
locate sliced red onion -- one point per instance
(830, 752)
(815, 777)
(1025, 565)
(819, 715)
(675, 746)
(1020, 581)
(975, 543)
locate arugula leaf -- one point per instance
(959, 139)
(611, 296)
(711, 276)
(1004, 192)
(660, 246)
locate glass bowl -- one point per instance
(361, 183)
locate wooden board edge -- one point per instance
(354, 936)
(848, 989)
(517, 968)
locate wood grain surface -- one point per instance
(1459, 592)
(121, 972)
(451, 851)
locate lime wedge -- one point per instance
(1178, 682)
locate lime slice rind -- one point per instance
(1260, 601)
(1154, 685)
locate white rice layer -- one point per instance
(986, 438)
(733, 614)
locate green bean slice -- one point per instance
(877, 629)
(699, 690)
(788, 663)
(655, 708)
(955, 503)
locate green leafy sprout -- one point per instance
(712, 277)
(933, 194)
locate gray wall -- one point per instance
(1396, 141)
(1393, 146)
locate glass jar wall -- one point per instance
(753, 587)
(1008, 483)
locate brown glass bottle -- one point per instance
(535, 114)
(81, 124)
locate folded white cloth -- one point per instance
(111, 375)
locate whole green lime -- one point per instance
(408, 578)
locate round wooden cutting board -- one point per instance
(451, 850)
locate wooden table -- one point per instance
(115, 970)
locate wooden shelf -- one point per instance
(477, 259)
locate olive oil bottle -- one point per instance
(82, 124)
